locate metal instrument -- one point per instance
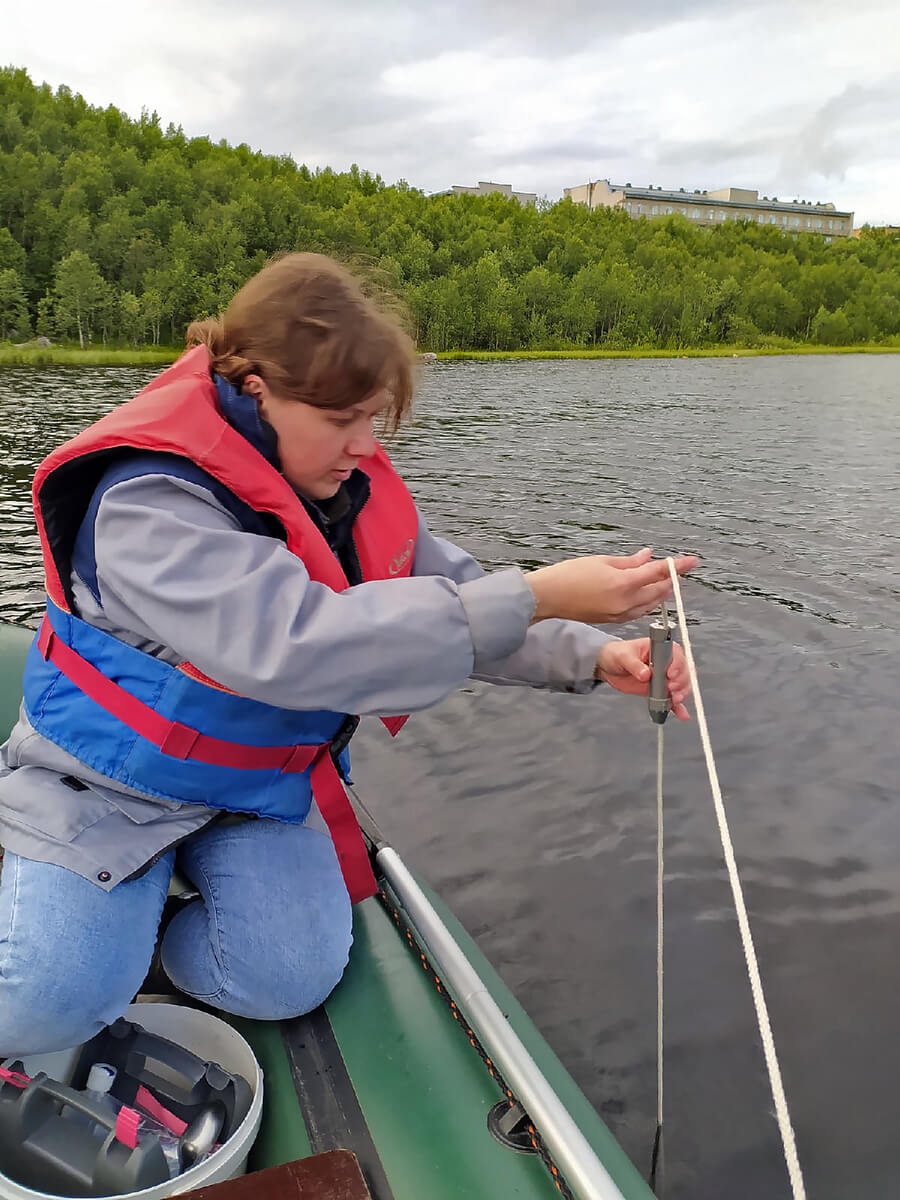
(660, 656)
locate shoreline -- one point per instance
(47, 356)
(61, 356)
(693, 352)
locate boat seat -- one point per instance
(179, 886)
(334, 1175)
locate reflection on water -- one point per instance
(39, 408)
(533, 814)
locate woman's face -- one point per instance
(318, 447)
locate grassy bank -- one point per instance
(694, 352)
(41, 356)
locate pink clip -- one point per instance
(148, 1102)
(16, 1078)
(126, 1129)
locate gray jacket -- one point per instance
(178, 578)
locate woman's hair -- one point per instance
(304, 326)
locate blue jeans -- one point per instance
(269, 937)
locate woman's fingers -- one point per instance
(678, 679)
(622, 562)
(601, 590)
(654, 583)
(646, 599)
(633, 663)
(658, 570)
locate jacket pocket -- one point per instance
(61, 807)
(38, 800)
(139, 809)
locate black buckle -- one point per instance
(341, 739)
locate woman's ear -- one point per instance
(255, 387)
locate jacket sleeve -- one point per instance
(177, 576)
(554, 654)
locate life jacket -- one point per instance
(172, 731)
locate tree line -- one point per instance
(118, 231)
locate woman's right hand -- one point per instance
(604, 589)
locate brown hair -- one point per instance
(304, 325)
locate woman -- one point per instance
(233, 568)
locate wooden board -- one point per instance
(334, 1175)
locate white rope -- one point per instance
(756, 987)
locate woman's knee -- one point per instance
(271, 944)
(296, 988)
(267, 971)
(37, 1019)
(71, 956)
(60, 1000)
(314, 964)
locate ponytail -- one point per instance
(211, 333)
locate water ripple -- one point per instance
(535, 814)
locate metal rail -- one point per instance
(573, 1154)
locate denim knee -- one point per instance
(309, 968)
(71, 955)
(262, 943)
(42, 1014)
(273, 972)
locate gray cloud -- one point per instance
(548, 27)
(558, 27)
(848, 128)
(575, 151)
(796, 151)
(636, 88)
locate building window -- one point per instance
(654, 211)
(773, 220)
(819, 223)
(760, 219)
(721, 215)
(808, 223)
(831, 224)
(668, 211)
(796, 222)
(784, 220)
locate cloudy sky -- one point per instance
(797, 98)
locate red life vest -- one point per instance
(178, 413)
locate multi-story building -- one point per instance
(488, 189)
(713, 208)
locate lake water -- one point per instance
(534, 814)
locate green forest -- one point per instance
(117, 232)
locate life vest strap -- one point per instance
(181, 741)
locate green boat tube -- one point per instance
(421, 1063)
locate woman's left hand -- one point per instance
(625, 666)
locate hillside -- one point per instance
(117, 231)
